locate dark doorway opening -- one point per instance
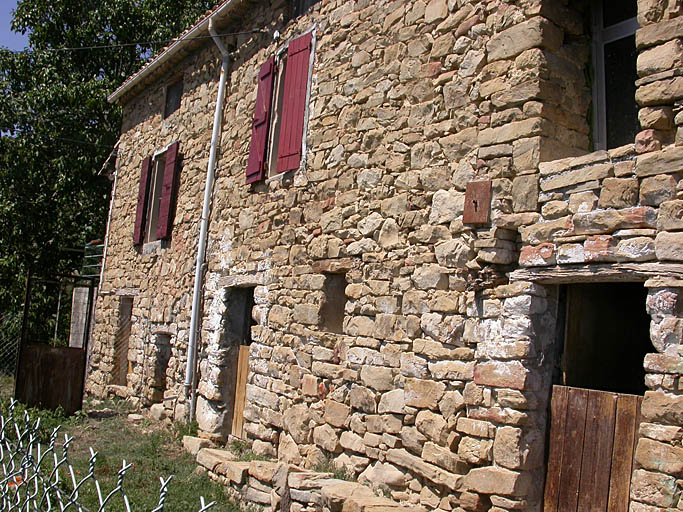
(606, 337)
(236, 338)
(121, 363)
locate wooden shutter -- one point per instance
(143, 196)
(256, 164)
(168, 193)
(294, 103)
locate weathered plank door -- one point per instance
(592, 442)
(240, 391)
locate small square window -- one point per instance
(174, 93)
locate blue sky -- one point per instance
(9, 39)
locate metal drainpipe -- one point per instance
(190, 371)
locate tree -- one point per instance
(57, 128)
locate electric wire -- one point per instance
(125, 45)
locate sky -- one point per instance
(10, 39)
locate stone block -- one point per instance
(661, 92)
(618, 193)
(669, 246)
(663, 407)
(432, 425)
(336, 414)
(655, 190)
(537, 32)
(525, 193)
(600, 248)
(653, 488)
(423, 394)
(656, 456)
(574, 177)
(402, 458)
(657, 33)
(670, 216)
(639, 248)
(379, 378)
(608, 221)
(537, 255)
(500, 481)
(192, 444)
(667, 161)
(392, 402)
(326, 437)
(508, 374)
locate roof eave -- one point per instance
(177, 46)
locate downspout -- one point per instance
(190, 371)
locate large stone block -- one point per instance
(402, 458)
(653, 488)
(508, 374)
(667, 161)
(608, 221)
(656, 456)
(663, 407)
(669, 246)
(424, 394)
(537, 32)
(670, 216)
(492, 480)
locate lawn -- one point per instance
(153, 449)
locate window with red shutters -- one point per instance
(143, 194)
(157, 196)
(169, 189)
(279, 121)
(256, 165)
(294, 103)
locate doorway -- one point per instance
(236, 338)
(602, 339)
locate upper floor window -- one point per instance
(174, 92)
(301, 6)
(615, 120)
(157, 196)
(279, 120)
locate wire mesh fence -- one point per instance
(10, 332)
(39, 477)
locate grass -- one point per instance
(340, 473)
(153, 449)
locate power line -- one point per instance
(125, 45)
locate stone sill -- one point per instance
(155, 246)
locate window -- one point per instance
(301, 6)
(279, 120)
(332, 310)
(157, 196)
(615, 120)
(174, 93)
(122, 365)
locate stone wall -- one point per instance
(437, 388)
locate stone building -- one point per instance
(443, 247)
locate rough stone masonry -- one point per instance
(436, 386)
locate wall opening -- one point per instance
(161, 356)
(236, 338)
(122, 367)
(332, 310)
(606, 336)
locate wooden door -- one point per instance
(240, 391)
(592, 442)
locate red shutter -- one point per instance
(256, 165)
(168, 192)
(143, 196)
(294, 103)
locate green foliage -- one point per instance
(340, 473)
(57, 128)
(243, 451)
